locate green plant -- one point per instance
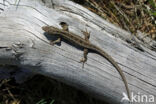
(52, 102)
(43, 101)
(153, 7)
(152, 3)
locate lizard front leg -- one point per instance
(55, 41)
(85, 53)
(65, 28)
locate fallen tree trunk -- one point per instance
(24, 44)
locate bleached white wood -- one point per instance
(23, 43)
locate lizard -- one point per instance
(85, 44)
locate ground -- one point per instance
(131, 15)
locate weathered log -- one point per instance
(23, 43)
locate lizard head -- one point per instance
(45, 28)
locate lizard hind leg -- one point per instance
(85, 53)
(84, 59)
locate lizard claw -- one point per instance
(82, 61)
(52, 43)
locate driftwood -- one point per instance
(24, 44)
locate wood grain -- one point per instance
(23, 43)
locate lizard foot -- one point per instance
(83, 60)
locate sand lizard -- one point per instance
(85, 44)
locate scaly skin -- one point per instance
(75, 39)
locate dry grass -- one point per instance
(39, 88)
(131, 15)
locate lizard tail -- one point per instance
(113, 62)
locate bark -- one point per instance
(24, 44)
